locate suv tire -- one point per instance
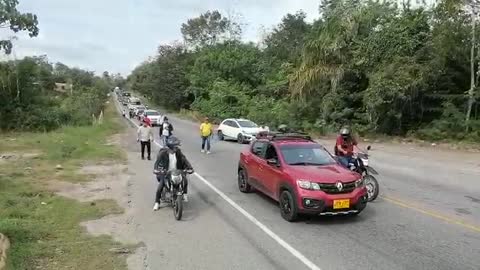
(220, 135)
(243, 184)
(288, 206)
(240, 139)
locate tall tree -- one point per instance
(286, 40)
(207, 29)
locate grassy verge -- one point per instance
(44, 228)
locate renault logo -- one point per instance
(339, 186)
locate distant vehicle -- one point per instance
(133, 107)
(134, 101)
(302, 176)
(241, 130)
(154, 116)
(138, 109)
(139, 114)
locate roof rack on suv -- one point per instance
(274, 136)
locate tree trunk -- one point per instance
(471, 91)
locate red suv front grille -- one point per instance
(333, 189)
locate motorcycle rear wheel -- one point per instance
(178, 207)
(372, 186)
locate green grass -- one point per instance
(44, 228)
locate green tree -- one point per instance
(16, 21)
(286, 41)
(208, 29)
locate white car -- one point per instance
(241, 130)
(131, 107)
(137, 108)
(154, 116)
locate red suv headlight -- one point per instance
(305, 184)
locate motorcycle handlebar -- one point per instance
(189, 171)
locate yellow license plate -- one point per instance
(341, 204)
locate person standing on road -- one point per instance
(206, 131)
(147, 121)
(166, 130)
(145, 137)
(264, 128)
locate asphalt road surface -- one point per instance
(427, 217)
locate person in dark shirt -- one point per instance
(170, 158)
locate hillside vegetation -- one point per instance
(381, 67)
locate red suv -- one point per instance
(301, 175)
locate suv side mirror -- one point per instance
(369, 147)
(273, 162)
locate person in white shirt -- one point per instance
(145, 137)
(166, 130)
(264, 128)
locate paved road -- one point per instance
(428, 217)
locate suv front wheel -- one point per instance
(288, 206)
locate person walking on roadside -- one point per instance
(147, 121)
(145, 137)
(166, 130)
(206, 131)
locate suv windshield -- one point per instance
(309, 154)
(247, 124)
(152, 113)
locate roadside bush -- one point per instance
(225, 100)
(28, 102)
(450, 126)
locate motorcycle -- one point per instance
(361, 166)
(173, 190)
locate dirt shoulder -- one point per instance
(64, 199)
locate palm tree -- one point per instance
(326, 51)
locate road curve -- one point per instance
(427, 218)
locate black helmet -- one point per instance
(173, 142)
(345, 131)
(283, 128)
(165, 118)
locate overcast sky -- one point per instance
(117, 35)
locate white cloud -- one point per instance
(113, 34)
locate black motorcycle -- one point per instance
(173, 191)
(361, 166)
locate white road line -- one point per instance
(255, 221)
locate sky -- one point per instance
(117, 35)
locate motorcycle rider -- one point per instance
(170, 158)
(344, 147)
(283, 128)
